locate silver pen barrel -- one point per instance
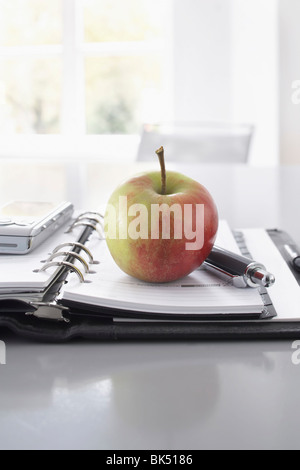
(243, 271)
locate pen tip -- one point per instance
(270, 280)
(263, 278)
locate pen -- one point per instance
(243, 271)
(294, 255)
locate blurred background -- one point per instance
(82, 81)
(83, 68)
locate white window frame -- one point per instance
(73, 143)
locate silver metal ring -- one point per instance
(65, 264)
(78, 245)
(85, 224)
(86, 214)
(73, 254)
(89, 219)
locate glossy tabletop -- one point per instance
(155, 395)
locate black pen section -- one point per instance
(230, 262)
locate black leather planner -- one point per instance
(49, 316)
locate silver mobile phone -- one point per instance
(24, 225)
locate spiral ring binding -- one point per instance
(70, 253)
(85, 224)
(85, 214)
(92, 219)
(78, 245)
(71, 267)
(85, 220)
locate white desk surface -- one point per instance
(183, 395)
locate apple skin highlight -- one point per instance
(161, 260)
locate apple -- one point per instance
(160, 226)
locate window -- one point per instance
(70, 69)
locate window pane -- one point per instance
(118, 90)
(30, 22)
(124, 20)
(30, 95)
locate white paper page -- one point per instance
(201, 291)
(285, 294)
(17, 272)
(225, 238)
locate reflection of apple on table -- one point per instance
(146, 252)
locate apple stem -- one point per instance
(161, 155)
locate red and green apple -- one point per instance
(160, 226)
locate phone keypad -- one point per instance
(19, 223)
(5, 222)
